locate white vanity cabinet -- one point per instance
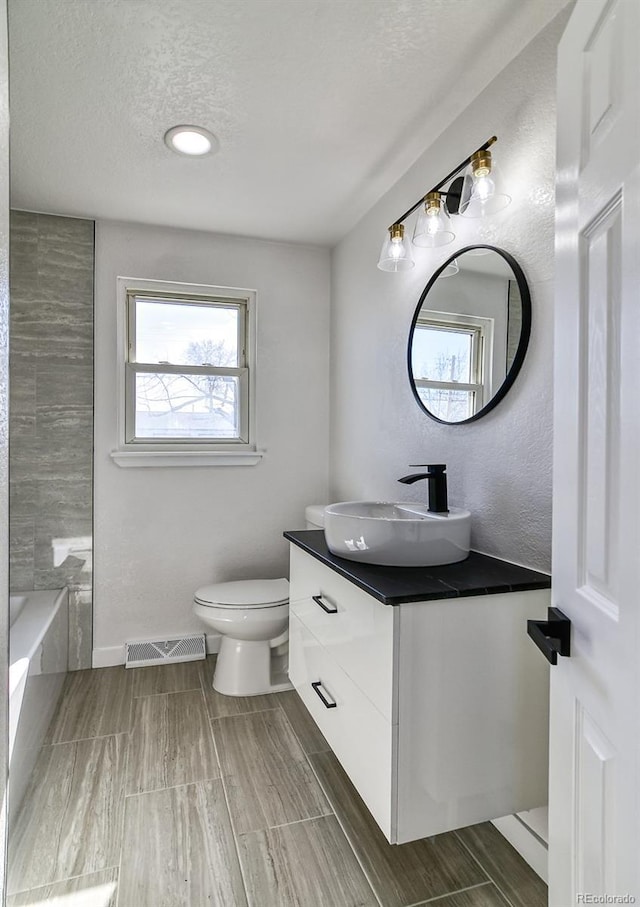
(436, 709)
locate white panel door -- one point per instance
(594, 808)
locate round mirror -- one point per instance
(469, 334)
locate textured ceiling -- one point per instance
(319, 105)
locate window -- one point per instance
(450, 355)
(187, 369)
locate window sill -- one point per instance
(145, 458)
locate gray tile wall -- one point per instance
(51, 414)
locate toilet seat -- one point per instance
(252, 594)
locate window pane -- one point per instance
(440, 354)
(185, 334)
(187, 406)
(449, 405)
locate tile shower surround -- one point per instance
(153, 790)
(51, 412)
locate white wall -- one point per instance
(162, 532)
(499, 467)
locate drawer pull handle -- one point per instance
(327, 704)
(330, 609)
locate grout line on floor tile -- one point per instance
(157, 790)
(344, 832)
(124, 802)
(202, 679)
(295, 734)
(488, 874)
(170, 693)
(293, 731)
(84, 739)
(234, 834)
(450, 894)
(273, 708)
(197, 689)
(204, 675)
(206, 679)
(210, 726)
(82, 875)
(131, 711)
(287, 824)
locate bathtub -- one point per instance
(38, 653)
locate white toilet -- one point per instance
(252, 618)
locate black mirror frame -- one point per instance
(523, 343)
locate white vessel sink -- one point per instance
(396, 534)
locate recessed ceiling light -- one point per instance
(191, 140)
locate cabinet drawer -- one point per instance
(358, 734)
(356, 630)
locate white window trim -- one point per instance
(180, 452)
(483, 352)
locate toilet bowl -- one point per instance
(252, 618)
(247, 614)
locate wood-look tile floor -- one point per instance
(153, 790)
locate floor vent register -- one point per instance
(164, 651)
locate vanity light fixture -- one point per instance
(475, 194)
(193, 141)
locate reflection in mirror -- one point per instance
(469, 335)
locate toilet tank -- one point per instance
(314, 516)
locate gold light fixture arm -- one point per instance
(447, 179)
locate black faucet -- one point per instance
(437, 478)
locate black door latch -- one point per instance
(552, 636)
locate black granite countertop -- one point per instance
(479, 574)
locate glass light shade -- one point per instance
(482, 190)
(451, 269)
(432, 226)
(395, 254)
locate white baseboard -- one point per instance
(529, 845)
(107, 657)
(110, 656)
